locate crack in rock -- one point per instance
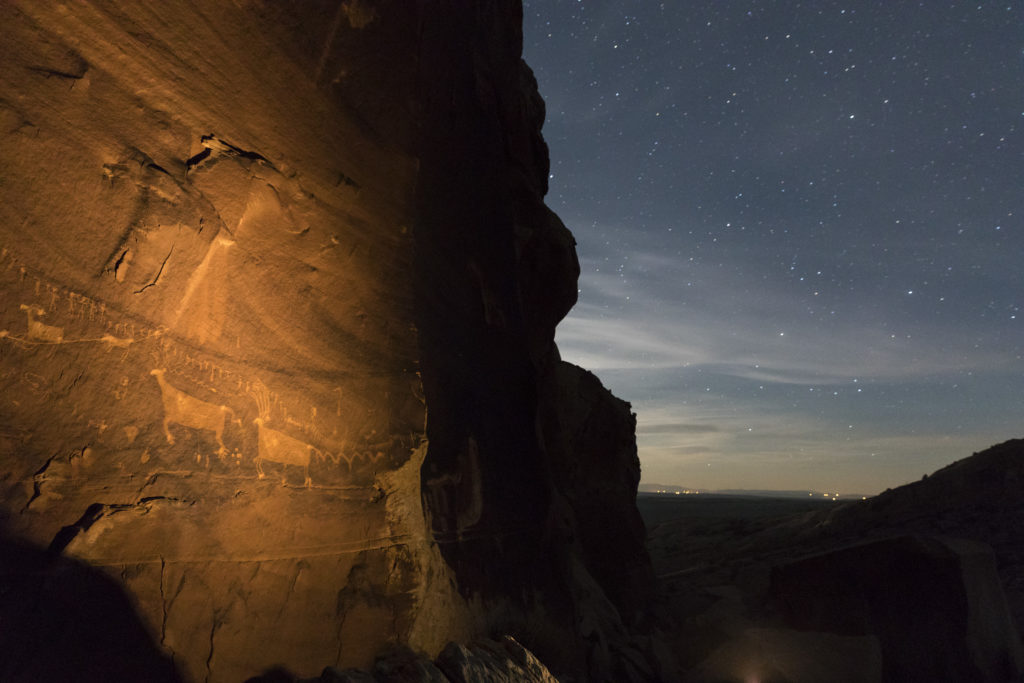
(163, 603)
(37, 481)
(215, 148)
(77, 76)
(209, 658)
(160, 272)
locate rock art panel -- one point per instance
(243, 248)
(207, 352)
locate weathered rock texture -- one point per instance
(277, 304)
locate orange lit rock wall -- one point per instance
(244, 246)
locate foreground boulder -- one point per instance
(482, 661)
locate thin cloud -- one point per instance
(740, 325)
(688, 450)
(678, 429)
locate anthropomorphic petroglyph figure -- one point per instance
(188, 411)
(41, 332)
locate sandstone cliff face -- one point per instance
(276, 350)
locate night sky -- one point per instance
(800, 226)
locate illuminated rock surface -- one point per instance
(245, 249)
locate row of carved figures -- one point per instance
(187, 411)
(38, 332)
(274, 446)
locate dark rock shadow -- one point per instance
(63, 620)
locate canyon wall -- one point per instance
(278, 293)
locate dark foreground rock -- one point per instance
(903, 609)
(483, 661)
(62, 620)
(935, 605)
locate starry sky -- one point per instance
(800, 227)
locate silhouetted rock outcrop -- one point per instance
(277, 302)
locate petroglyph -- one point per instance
(275, 446)
(119, 342)
(130, 433)
(71, 318)
(41, 332)
(191, 412)
(70, 306)
(122, 390)
(37, 384)
(370, 452)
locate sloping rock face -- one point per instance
(245, 249)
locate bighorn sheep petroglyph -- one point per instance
(41, 332)
(275, 446)
(188, 411)
(278, 447)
